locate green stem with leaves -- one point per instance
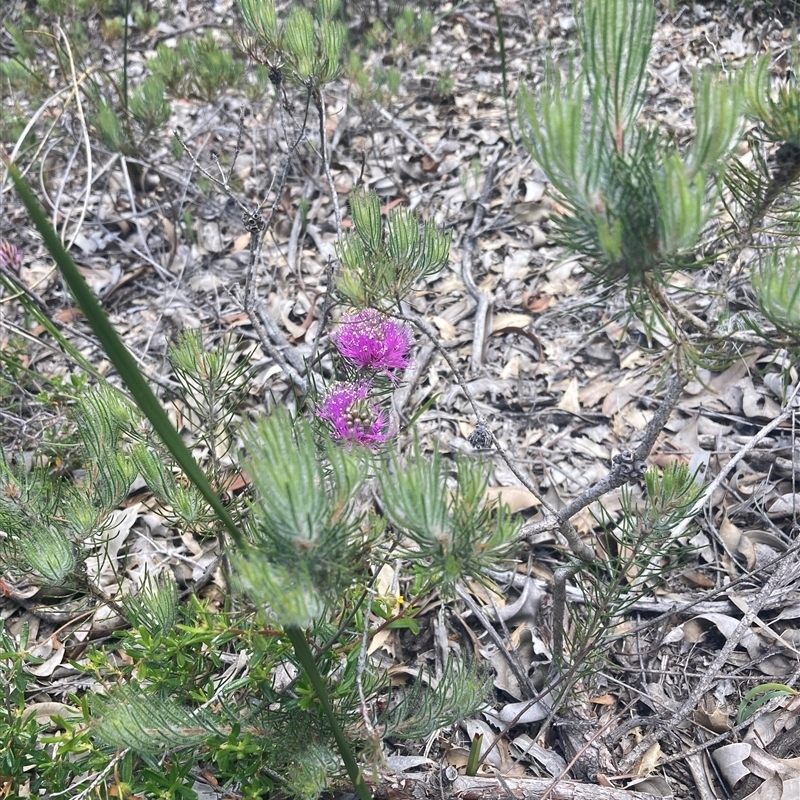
(306, 659)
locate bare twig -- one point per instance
(511, 658)
(420, 786)
(372, 733)
(272, 340)
(627, 466)
(789, 409)
(395, 122)
(429, 331)
(412, 375)
(483, 304)
(99, 778)
(297, 225)
(678, 311)
(776, 583)
(262, 323)
(326, 310)
(323, 146)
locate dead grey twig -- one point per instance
(627, 466)
(429, 331)
(776, 583)
(483, 304)
(323, 146)
(272, 341)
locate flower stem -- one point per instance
(306, 659)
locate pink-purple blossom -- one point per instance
(10, 256)
(352, 416)
(370, 340)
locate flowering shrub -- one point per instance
(352, 416)
(370, 340)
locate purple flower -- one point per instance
(10, 256)
(351, 415)
(371, 340)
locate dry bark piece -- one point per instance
(438, 787)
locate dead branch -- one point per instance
(483, 304)
(434, 786)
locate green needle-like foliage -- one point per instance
(456, 532)
(779, 111)
(48, 550)
(381, 261)
(146, 722)
(670, 494)
(148, 104)
(634, 203)
(213, 384)
(47, 519)
(155, 607)
(457, 694)
(308, 45)
(777, 288)
(616, 36)
(171, 67)
(306, 532)
(180, 501)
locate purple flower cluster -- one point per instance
(352, 416)
(370, 341)
(10, 256)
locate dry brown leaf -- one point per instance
(619, 397)
(711, 716)
(697, 578)
(509, 321)
(756, 405)
(781, 775)
(446, 329)
(569, 400)
(649, 761)
(536, 302)
(52, 653)
(594, 391)
(515, 497)
(241, 242)
(67, 315)
(785, 506)
(45, 711)
(383, 639)
(298, 331)
(604, 700)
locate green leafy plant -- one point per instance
(636, 549)
(145, 20)
(148, 105)
(381, 261)
(304, 47)
(635, 204)
(171, 68)
(210, 68)
(326, 494)
(304, 542)
(759, 696)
